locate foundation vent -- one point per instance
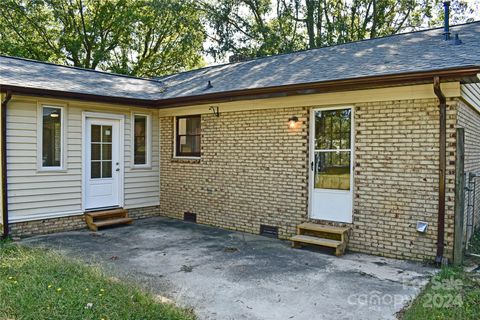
(190, 217)
(269, 231)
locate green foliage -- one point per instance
(254, 28)
(38, 284)
(137, 37)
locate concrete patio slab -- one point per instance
(232, 275)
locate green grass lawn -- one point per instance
(40, 284)
(451, 294)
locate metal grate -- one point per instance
(471, 205)
(269, 231)
(190, 217)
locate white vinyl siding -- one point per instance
(471, 94)
(37, 194)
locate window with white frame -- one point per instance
(51, 133)
(141, 139)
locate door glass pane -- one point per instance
(106, 169)
(95, 169)
(332, 129)
(332, 170)
(106, 133)
(96, 133)
(96, 151)
(101, 152)
(106, 151)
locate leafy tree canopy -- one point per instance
(157, 37)
(136, 37)
(254, 28)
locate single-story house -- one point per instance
(374, 136)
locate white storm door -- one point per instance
(102, 163)
(331, 155)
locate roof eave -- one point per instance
(76, 96)
(464, 74)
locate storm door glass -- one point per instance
(332, 149)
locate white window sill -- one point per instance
(52, 170)
(141, 167)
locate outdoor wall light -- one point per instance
(292, 121)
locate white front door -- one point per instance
(102, 163)
(331, 155)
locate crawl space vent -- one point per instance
(269, 231)
(190, 217)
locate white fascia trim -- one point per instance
(43, 216)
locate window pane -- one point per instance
(189, 136)
(140, 148)
(332, 129)
(182, 126)
(194, 142)
(95, 147)
(106, 151)
(193, 125)
(106, 133)
(95, 169)
(106, 169)
(184, 147)
(332, 170)
(51, 137)
(96, 133)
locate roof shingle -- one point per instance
(402, 53)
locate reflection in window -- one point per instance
(140, 140)
(188, 137)
(51, 137)
(332, 129)
(332, 149)
(332, 170)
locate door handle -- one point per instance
(118, 169)
(311, 165)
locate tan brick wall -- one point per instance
(254, 171)
(30, 228)
(36, 227)
(396, 178)
(469, 119)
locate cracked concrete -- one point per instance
(231, 275)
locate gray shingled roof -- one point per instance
(39, 75)
(403, 53)
(411, 52)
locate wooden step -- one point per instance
(317, 241)
(321, 235)
(97, 219)
(109, 222)
(115, 213)
(322, 228)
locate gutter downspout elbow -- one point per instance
(439, 259)
(3, 116)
